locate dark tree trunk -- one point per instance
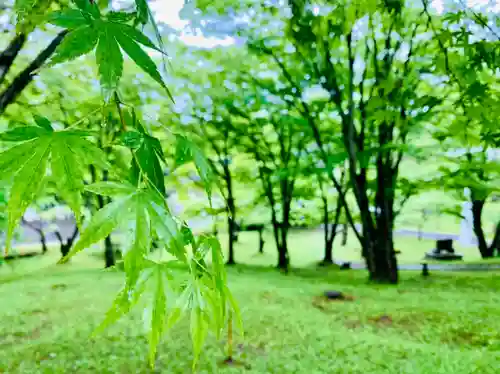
(382, 240)
(261, 242)
(328, 256)
(231, 215)
(66, 245)
(26, 76)
(43, 240)
(330, 230)
(231, 230)
(10, 53)
(345, 231)
(495, 244)
(109, 252)
(477, 213)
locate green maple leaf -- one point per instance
(147, 158)
(67, 152)
(87, 29)
(77, 43)
(186, 151)
(140, 212)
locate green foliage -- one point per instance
(155, 242)
(187, 151)
(87, 28)
(69, 154)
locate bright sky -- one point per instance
(438, 4)
(167, 11)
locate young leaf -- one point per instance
(120, 16)
(147, 162)
(88, 7)
(69, 19)
(24, 133)
(187, 151)
(77, 43)
(68, 175)
(136, 35)
(110, 61)
(167, 230)
(27, 183)
(43, 123)
(140, 239)
(111, 189)
(141, 58)
(124, 301)
(236, 310)
(158, 315)
(181, 305)
(14, 158)
(199, 330)
(132, 139)
(142, 11)
(103, 223)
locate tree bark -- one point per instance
(109, 252)
(231, 215)
(26, 76)
(495, 244)
(65, 245)
(477, 224)
(10, 53)
(44, 242)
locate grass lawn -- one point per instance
(447, 323)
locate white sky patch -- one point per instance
(167, 11)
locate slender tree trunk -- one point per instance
(26, 76)
(66, 245)
(231, 230)
(495, 244)
(328, 256)
(10, 53)
(43, 240)
(286, 203)
(330, 230)
(109, 252)
(231, 215)
(477, 212)
(261, 242)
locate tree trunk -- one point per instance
(10, 53)
(495, 244)
(382, 241)
(261, 242)
(231, 215)
(328, 256)
(330, 230)
(283, 259)
(43, 240)
(477, 212)
(26, 76)
(231, 230)
(109, 252)
(66, 245)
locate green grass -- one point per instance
(442, 324)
